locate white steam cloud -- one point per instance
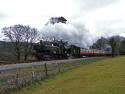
(74, 32)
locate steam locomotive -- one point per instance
(49, 50)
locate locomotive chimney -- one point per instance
(41, 42)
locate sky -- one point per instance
(100, 17)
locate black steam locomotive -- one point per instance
(49, 50)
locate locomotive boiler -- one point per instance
(49, 50)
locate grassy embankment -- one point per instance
(102, 77)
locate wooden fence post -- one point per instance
(59, 67)
(46, 73)
(16, 79)
(33, 74)
(41, 72)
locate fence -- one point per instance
(17, 76)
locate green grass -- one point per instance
(102, 77)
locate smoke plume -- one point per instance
(73, 32)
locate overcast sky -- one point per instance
(101, 16)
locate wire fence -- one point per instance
(16, 78)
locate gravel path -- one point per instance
(24, 65)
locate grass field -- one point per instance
(102, 77)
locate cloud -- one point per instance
(88, 19)
(2, 16)
(86, 5)
(108, 29)
(108, 20)
(38, 7)
(36, 11)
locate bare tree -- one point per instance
(29, 37)
(21, 36)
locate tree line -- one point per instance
(115, 44)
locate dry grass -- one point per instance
(102, 77)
